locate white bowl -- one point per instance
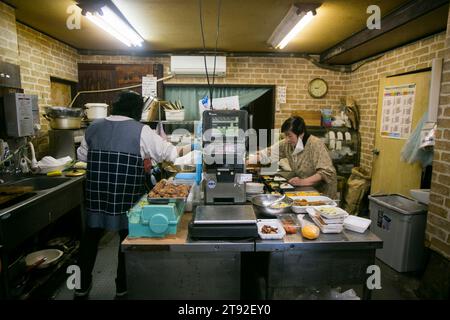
(52, 256)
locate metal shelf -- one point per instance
(39, 281)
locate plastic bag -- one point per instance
(357, 188)
(413, 152)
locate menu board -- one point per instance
(397, 111)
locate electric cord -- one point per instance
(204, 54)
(210, 87)
(219, 3)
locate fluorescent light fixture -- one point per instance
(115, 26)
(294, 21)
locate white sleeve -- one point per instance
(155, 147)
(82, 151)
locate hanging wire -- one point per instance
(219, 3)
(204, 51)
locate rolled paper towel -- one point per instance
(332, 144)
(331, 135)
(348, 136)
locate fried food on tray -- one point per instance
(304, 203)
(164, 189)
(269, 229)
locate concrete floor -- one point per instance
(104, 287)
(395, 285)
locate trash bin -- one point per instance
(400, 223)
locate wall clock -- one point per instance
(318, 88)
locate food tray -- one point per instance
(340, 213)
(273, 223)
(286, 186)
(302, 193)
(171, 200)
(324, 228)
(279, 186)
(302, 209)
(356, 224)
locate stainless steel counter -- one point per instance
(52, 198)
(344, 240)
(181, 268)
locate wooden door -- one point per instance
(390, 174)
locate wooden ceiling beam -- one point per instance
(406, 13)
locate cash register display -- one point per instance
(225, 126)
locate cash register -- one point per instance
(224, 214)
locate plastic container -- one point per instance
(302, 209)
(324, 227)
(96, 110)
(357, 224)
(290, 223)
(326, 212)
(400, 223)
(174, 115)
(327, 117)
(273, 223)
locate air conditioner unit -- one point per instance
(195, 65)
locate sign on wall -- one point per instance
(397, 111)
(149, 86)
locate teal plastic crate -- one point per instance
(154, 220)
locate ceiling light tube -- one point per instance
(100, 23)
(294, 21)
(114, 25)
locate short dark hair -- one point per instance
(295, 124)
(298, 126)
(128, 104)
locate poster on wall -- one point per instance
(149, 87)
(397, 111)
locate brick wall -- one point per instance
(438, 224)
(294, 73)
(364, 83)
(41, 57)
(8, 34)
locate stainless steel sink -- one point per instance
(40, 183)
(17, 200)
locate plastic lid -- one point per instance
(399, 203)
